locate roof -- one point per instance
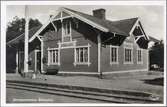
(125, 25)
(153, 39)
(19, 38)
(121, 27)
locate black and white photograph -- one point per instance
(87, 53)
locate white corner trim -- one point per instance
(42, 54)
(48, 57)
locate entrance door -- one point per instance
(38, 61)
(20, 61)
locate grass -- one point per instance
(155, 81)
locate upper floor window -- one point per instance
(139, 56)
(113, 54)
(128, 53)
(66, 32)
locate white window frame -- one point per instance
(139, 62)
(49, 58)
(128, 46)
(117, 48)
(64, 29)
(75, 55)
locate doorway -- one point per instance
(37, 61)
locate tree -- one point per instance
(156, 54)
(14, 29)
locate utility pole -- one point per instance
(26, 40)
(99, 55)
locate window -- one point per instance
(128, 53)
(81, 55)
(139, 56)
(66, 32)
(113, 54)
(53, 57)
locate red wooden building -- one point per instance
(75, 42)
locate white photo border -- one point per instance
(3, 46)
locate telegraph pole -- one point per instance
(26, 40)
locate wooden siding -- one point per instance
(84, 34)
(121, 66)
(83, 37)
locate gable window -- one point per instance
(81, 54)
(113, 54)
(53, 57)
(139, 56)
(128, 53)
(66, 32)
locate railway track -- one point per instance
(103, 96)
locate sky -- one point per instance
(151, 16)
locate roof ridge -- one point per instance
(102, 19)
(126, 19)
(85, 14)
(105, 21)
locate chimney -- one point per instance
(99, 13)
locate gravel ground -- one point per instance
(133, 82)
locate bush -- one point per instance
(52, 71)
